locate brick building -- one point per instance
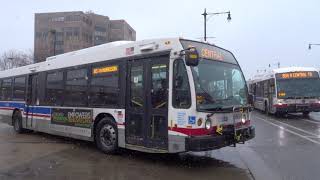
(61, 32)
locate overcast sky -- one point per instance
(261, 32)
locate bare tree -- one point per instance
(15, 58)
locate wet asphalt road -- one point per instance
(284, 148)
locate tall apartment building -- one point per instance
(61, 32)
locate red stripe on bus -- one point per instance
(37, 115)
(6, 108)
(192, 132)
(203, 131)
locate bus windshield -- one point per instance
(218, 85)
(298, 88)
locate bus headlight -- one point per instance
(243, 120)
(280, 101)
(207, 124)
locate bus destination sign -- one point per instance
(298, 75)
(211, 54)
(209, 51)
(106, 69)
(72, 117)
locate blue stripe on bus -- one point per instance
(21, 105)
(39, 110)
(12, 104)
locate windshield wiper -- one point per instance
(214, 109)
(235, 108)
(220, 108)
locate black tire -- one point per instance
(266, 108)
(17, 122)
(106, 135)
(279, 114)
(306, 113)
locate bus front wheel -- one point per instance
(106, 135)
(17, 122)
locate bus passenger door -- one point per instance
(157, 122)
(147, 103)
(31, 99)
(135, 103)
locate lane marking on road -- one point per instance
(299, 129)
(313, 137)
(289, 131)
(314, 122)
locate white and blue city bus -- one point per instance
(287, 90)
(161, 96)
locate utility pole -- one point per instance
(205, 24)
(205, 14)
(312, 45)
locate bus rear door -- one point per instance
(31, 99)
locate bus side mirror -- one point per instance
(191, 56)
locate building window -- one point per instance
(69, 35)
(6, 89)
(19, 88)
(54, 89)
(76, 88)
(57, 19)
(76, 33)
(181, 88)
(100, 29)
(104, 86)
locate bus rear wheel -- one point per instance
(266, 108)
(106, 136)
(17, 122)
(306, 113)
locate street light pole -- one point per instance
(312, 45)
(205, 24)
(205, 14)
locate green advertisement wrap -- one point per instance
(72, 117)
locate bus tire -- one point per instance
(306, 113)
(266, 108)
(17, 122)
(106, 136)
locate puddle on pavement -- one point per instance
(81, 160)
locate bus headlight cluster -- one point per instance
(280, 101)
(244, 118)
(208, 124)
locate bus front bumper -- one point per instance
(211, 142)
(292, 108)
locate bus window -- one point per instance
(54, 89)
(181, 89)
(104, 87)
(137, 93)
(76, 87)
(19, 88)
(159, 86)
(0, 89)
(6, 89)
